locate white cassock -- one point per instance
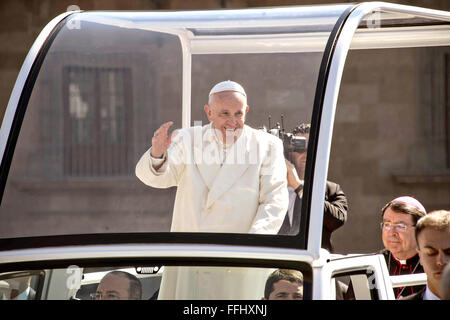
(239, 189)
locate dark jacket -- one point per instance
(335, 214)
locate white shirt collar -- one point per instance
(428, 295)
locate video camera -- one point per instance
(291, 142)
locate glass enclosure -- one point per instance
(390, 136)
(21, 285)
(109, 80)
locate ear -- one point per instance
(247, 108)
(208, 111)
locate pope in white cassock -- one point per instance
(230, 178)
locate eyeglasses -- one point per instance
(107, 296)
(398, 227)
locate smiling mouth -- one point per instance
(232, 132)
(394, 244)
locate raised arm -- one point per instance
(162, 165)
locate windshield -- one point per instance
(156, 282)
(83, 165)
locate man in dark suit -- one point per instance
(432, 235)
(335, 206)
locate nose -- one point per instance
(234, 118)
(392, 231)
(231, 120)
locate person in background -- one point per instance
(335, 205)
(432, 234)
(399, 217)
(118, 285)
(284, 284)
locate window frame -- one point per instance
(40, 280)
(98, 146)
(170, 255)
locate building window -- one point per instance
(97, 121)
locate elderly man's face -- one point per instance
(401, 243)
(286, 290)
(227, 111)
(434, 253)
(113, 287)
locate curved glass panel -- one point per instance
(110, 80)
(394, 99)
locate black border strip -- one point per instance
(298, 241)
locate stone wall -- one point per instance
(22, 20)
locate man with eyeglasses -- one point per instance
(118, 285)
(399, 218)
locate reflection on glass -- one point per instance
(17, 286)
(97, 124)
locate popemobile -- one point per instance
(95, 87)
